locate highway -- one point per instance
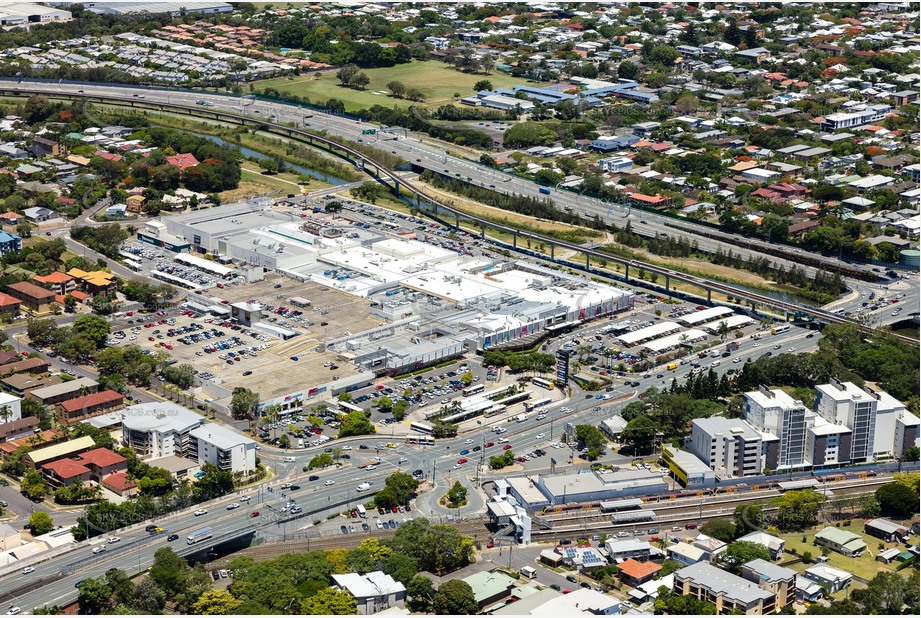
(431, 154)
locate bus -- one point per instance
(777, 330)
(135, 266)
(473, 390)
(346, 407)
(420, 440)
(547, 384)
(361, 511)
(199, 535)
(421, 427)
(540, 403)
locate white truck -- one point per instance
(521, 418)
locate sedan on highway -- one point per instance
(506, 447)
(468, 441)
(113, 539)
(462, 460)
(201, 512)
(540, 436)
(172, 537)
(28, 570)
(328, 483)
(233, 505)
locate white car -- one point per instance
(289, 460)
(328, 483)
(468, 441)
(403, 460)
(346, 448)
(791, 350)
(13, 611)
(233, 505)
(99, 550)
(245, 498)
(113, 539)
(286, 485)
(456, 467)
(503, 440)
(371, 467)
(28, 570)
(201, 512)
(540, 436)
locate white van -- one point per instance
(300, 444)
(529, 572)
(363, 486)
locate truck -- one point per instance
(199, 535)
(544, 190)
(521, 418)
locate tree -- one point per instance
(640, 432)
(361, 81)
(481, 85)
(244, 403)
(33, 486)
(346, 74)
(330, 602)
(738, 553)
(397, 89)
(457, 494)
(748, 518)
(627, 70)
(169, 571)
(24, 228)
(400, 408)
(398, 489)
(36, 109)
(455, 597)
(148, 598)
(322, 460)
(95, 596)
(421, 592)
(356, 424)
(591, 438)
(721, 529)
(439, 548)
(40, 523)
(216, 603)
(798, 510)
(93, 327)
(487, 63)
(897, 501)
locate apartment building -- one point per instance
(843, 403)
(227, 449)
(728, 446)
(726, 591)
(776, 413)
(776, 579)
(159, 429)
(844, 120)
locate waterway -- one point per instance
(249, 152)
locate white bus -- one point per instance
(780, 329)
(473, 390)
(135, 266)
(420, 440)
(199, 535)
(547, 384)
(421, 427)
(361, 511)
(540, 403)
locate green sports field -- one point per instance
(436, 80)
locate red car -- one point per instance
(462, 460)
(254, 514)
(130, 313)
(395, 509)
(506, 447)
(654, 539)
(488, 444)
(521, 459)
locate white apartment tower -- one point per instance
(776, 413)
(843, 403)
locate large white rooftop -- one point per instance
(221, 437)
(704, 315)
(159, 416)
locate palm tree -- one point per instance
(722, 329)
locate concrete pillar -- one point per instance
(708, 296)
(626, 272)
(457, 221)
(667, 280)
(515, 240)
(482, 231)
(552, 252)
(587, 261)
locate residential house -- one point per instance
(656, 202)
(43, 147)
(579, 602)
(57, 282)
(828, 577)
(620, 550)
(633, 572)
(9, 306)
(93, 282)
(64, 472)
(10, 218)
(183, 161)
(887, 530)
(102, 462)
(9, 242)
(57, 393)
(37, 214)
(729, 593)
(841, 541)
(120, 484)
(22, 384)
(774, 545)
(27, 365)
(35, 298)
(90, 405)
(490, 587)
(374, 591)
(20, 428)
(776, 579)
(62, 450)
